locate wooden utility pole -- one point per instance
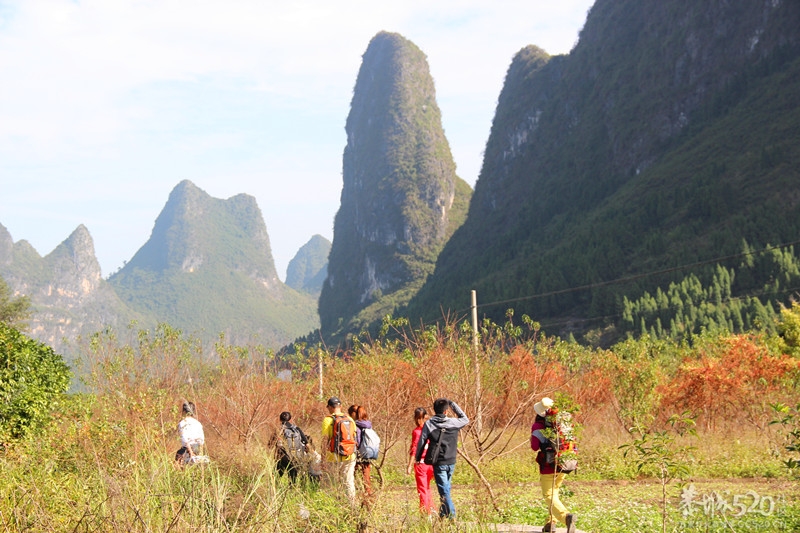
(476, 357)
(475, 321)
(319, 363)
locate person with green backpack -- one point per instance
(338, 434)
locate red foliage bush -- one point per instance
(735, 385)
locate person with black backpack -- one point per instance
(440, 437)
(551, 475)
(338, 434)
(291, 447)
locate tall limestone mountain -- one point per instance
(668, 136)
(67, 293)
(401, 198)
(308, 269)
(208, 269)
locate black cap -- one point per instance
(333, 401)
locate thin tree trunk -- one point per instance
(483, 479)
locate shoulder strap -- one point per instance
(438, 446)
(334, 434)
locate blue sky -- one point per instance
(106, 105)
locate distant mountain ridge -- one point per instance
(666, 138)
(68, 295)
(307, 270)
(208, 268)
(401, 199)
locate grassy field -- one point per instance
(105, 460)
(54, 486)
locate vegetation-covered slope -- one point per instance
(308, 269)
(208, 269)
(401, 198)
(667, 137)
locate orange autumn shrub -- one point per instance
(592, 389)
(386, 385)
(731, 382)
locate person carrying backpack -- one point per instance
(440, 437)
(550, 475)
(338, 434)
(291, 447)
(367, 443)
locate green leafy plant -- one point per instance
(789, 420)
(658, 451)
(13, 311)
(32, 376)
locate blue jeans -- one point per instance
(443, 474)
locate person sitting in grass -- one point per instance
(192, 437)
(314, 462)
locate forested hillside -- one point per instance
(667, 139)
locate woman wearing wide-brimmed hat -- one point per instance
(549, 478)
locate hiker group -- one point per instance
(350, 444)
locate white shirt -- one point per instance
(191, 431)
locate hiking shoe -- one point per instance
(548, 527)
(570, 520)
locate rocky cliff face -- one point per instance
(401, 198)
(68, 295)
(208, 269)
(636, 80)
(630, 154)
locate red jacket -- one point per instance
(414, 440)
(536, 445)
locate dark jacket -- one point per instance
(440, 433)
(537, 440)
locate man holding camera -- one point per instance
(440, 437)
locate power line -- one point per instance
(633, 277)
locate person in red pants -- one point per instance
(423, 474)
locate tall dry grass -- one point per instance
(105, 463)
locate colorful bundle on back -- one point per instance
(560, 430)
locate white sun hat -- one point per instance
(542, 406)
